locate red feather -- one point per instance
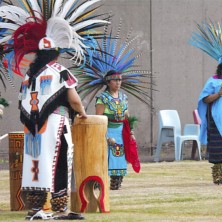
(27, 37)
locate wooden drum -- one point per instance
(16, 146)
(17, 196)
(90, 165)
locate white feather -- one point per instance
(57, 6)
(60, 31)
(35, 7)
(76, 44)
(77, 40)
(80, 42)
(77, 36)
(58, 28)
(10, 26)
(77, 58)
(81, 9)
(66, 8)
(14, 14)
(5, 39)
(87, 23)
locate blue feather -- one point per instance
(126, 65)
(132, 75)
(132, 81)
(119, 53)
(206, 40)
(72, 7)
(95, 82)
(22, 5)
(125, 57)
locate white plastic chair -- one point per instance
(191, 132)
(170, 131)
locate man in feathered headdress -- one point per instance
(48, 28)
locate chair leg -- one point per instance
(194, 149)
(158, 149)
(177, 149)
(199, 149)
(182, 145)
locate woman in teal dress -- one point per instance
(114, 104)
(113, 67)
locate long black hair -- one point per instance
(43, 57)
(219, 70)
(109, 73)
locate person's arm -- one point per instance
(211, 98)
(100, 109)
(132, 135)
(76, 103)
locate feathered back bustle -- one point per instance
(67, 23)
(120, 58)
(208, 38)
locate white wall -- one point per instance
(180, 69)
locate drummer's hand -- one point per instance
(82, 115)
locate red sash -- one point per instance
(130, 146)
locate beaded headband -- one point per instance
(114, 77)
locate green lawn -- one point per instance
(166, 191)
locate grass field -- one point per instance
(165, 191)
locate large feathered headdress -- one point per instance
(208, 38)
(119, 59)
(5, 68)
(66, 25)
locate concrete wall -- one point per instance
(180, 70)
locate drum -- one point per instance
(17, 196)
(16, 145)
(90, 165)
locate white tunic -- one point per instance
(41, 150)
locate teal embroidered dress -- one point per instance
(115, 111)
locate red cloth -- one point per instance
(130, 147)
